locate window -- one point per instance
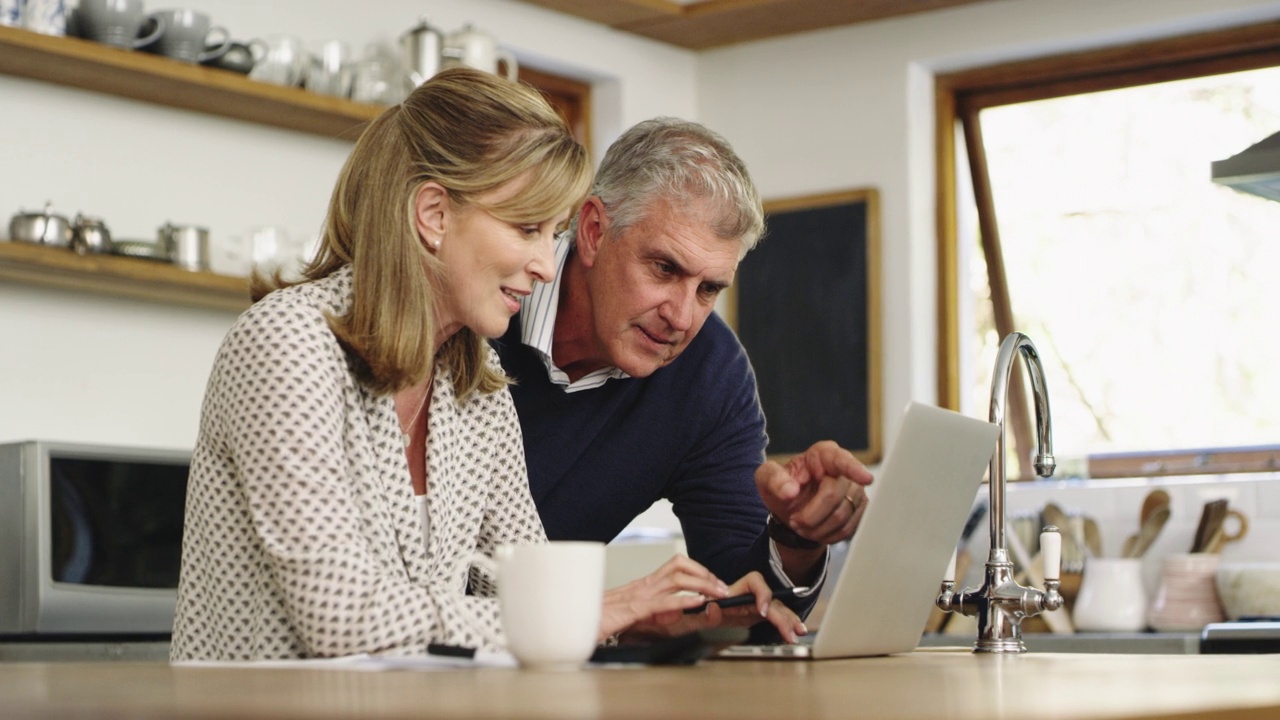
(1146, 288)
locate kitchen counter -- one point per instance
(1136, 643)
(83, 650)
(934, 683)
(158, 650)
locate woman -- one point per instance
(357, 445)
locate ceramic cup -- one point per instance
(11, 12)
(239, 57)
(1187, 598)
(550, 595)
(48, 17)
(187, 246)
(280, 60)
(1111, 597)
(331, 70)
(187, 34)
(116, 22)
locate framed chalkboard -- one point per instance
(807, 309)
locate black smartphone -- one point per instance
(747, 599)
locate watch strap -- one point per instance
(780, 533)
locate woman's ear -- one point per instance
(592, 222)
(430, 210)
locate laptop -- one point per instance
(923, 492)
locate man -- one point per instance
(629, 389)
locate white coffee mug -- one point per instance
(550, 596)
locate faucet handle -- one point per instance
(1051, 552)
(950, 575)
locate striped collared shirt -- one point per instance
(538, 324)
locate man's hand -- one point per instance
(820, 494)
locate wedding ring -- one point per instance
(852, 502)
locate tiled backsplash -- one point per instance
(1116, 505)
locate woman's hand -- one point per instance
(789, 625)
(660, 598)
(649, 606)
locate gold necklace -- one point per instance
(406, 433)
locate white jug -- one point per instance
(477, 49)
(1112, 597)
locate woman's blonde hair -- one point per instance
(471, 132)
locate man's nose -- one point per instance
(679, 308)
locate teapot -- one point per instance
(478, 49)
(44, 227)
(423, 48)
(90, 235)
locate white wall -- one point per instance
(85, 368)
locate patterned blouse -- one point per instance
(303, 537)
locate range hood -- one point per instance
(1254, 170)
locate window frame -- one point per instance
(571, 98)
(961, 96)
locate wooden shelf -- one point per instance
(121, 276)
(151, 78)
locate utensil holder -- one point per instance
(1187, 598)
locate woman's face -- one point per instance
(489, 264)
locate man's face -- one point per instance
(653, 286)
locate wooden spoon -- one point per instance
(1092, 537)
(1211, 517)
(1149, 531)
(1153, 501)
(1129, 544)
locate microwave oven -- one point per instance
(90, 538)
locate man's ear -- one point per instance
(592, 222)
(430, 210)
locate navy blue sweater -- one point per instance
(693, 432)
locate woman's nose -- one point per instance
(543, 265)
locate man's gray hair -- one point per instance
(669, 159)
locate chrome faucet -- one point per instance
(1001, 603)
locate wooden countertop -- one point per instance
(950, 683)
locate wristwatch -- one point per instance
(787, 537)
